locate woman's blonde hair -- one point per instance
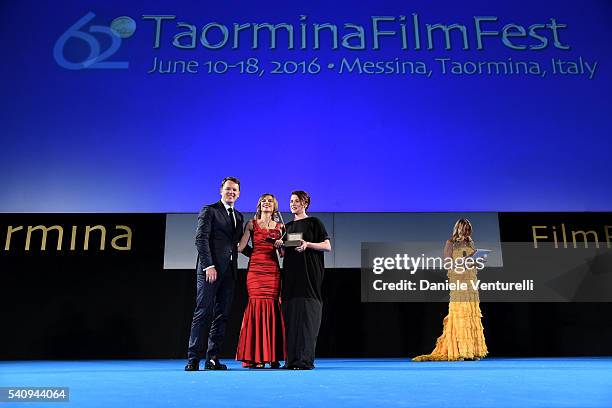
(462, 231)
(274, 210)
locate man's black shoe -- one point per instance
(193, 365)
(214, 364)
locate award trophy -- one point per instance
(293, 240)
(275, 234)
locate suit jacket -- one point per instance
(217, 239)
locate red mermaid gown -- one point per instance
(262, 335)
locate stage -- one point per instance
(493, 382)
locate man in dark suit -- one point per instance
(218, 233)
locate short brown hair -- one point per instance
(303, 196)
(233, 179)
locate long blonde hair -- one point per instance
(274, 210)
(462, 231)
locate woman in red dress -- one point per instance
(262, 338)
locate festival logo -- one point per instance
(95, 39)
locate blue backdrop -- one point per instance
(123, 139)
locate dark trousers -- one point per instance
(213, 304)
(302, 322)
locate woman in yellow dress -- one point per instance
(462, 335)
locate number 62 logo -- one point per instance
(121, 27)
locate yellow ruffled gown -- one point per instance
(462, 335)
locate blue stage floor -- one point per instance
(515, 383)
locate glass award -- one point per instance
(275, 234)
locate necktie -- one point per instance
(230, 210)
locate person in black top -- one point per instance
(302, 278)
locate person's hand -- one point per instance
(302, 247)
(278, 243)
(211, 275)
